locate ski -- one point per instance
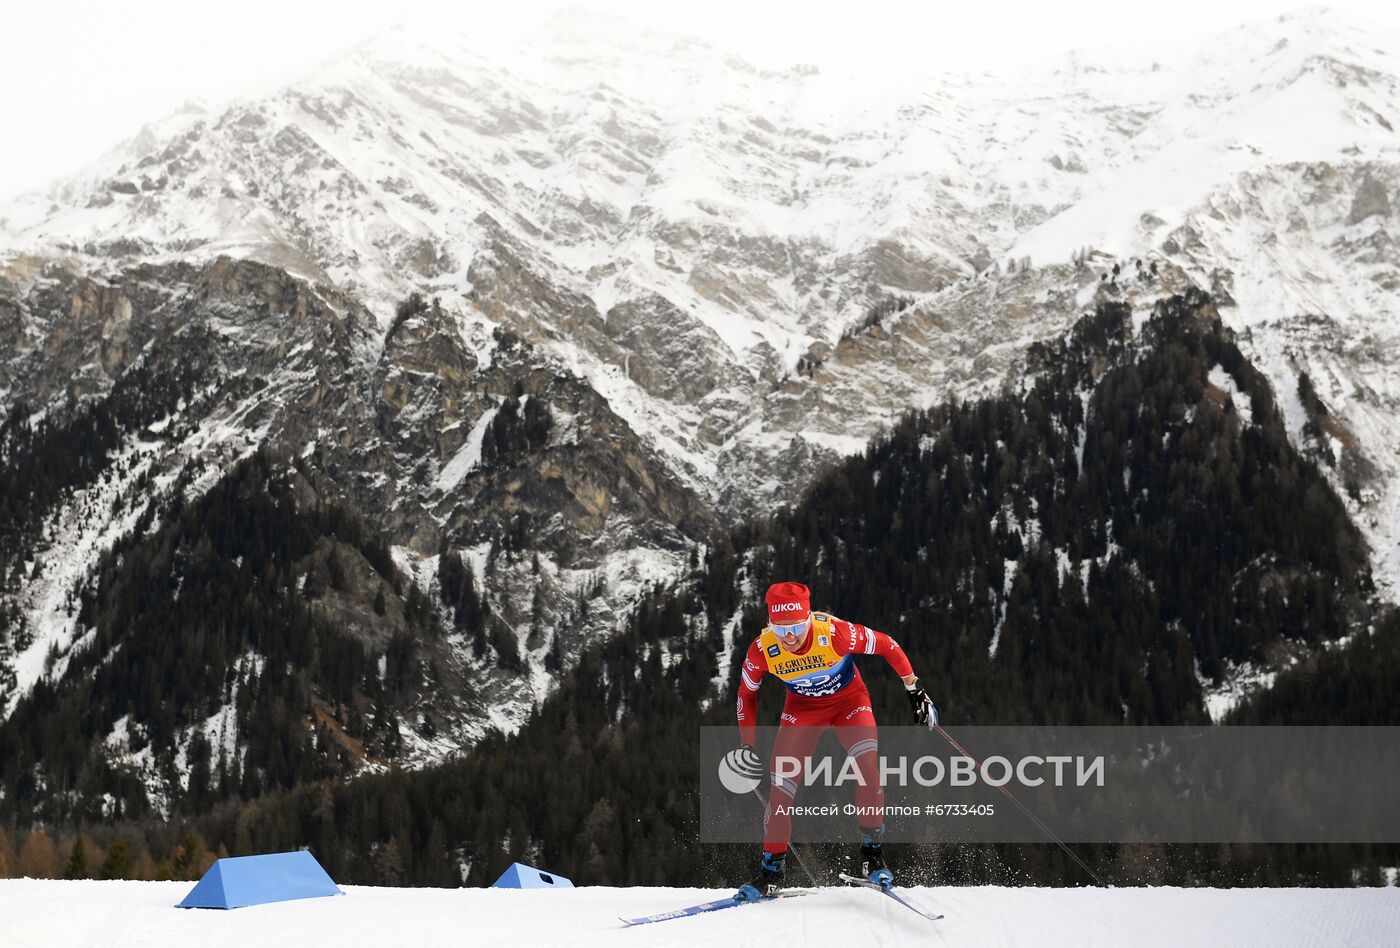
(856, 880)
(704, 907)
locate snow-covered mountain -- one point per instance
(715, 278)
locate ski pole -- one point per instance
(1022, 807)
(791, 848)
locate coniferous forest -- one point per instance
(1097, 545)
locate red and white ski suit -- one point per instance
(825, 690)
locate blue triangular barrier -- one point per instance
(521, 876)
(253, 880)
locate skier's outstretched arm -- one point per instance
(852, 638)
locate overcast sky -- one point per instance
(79, 77)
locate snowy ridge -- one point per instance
(598, 191)
(78, 537)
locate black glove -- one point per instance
(924, 711)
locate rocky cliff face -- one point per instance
(444, 438)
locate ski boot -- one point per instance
(766, 884)
(871, 860)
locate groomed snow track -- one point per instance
(57, 914)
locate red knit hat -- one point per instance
(788, 603)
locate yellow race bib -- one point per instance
(817, 673)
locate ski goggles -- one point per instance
(791, 629)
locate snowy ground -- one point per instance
(58, 914)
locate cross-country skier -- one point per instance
(813, 654)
